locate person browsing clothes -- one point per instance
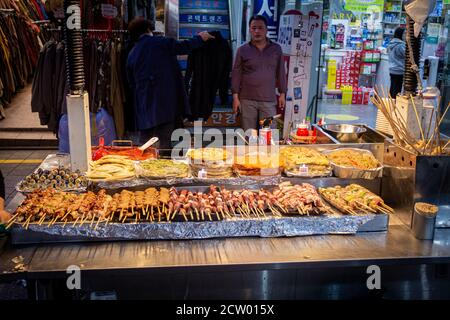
(154, 75)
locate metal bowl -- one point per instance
(345, 132)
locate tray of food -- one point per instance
(210, 163)
(162, 169)
(355, 199)
(304, 162)
(123, 148)
(111, 168)
(257, 164)
(352, 163)
(59, 178)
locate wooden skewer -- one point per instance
(202, 213)
(96, 225)
(443, 115)
(383, 210)
(387, 207)
(65, 222)
(27, 222)
(42, 219)
(174, 214)
(78, 218)
(191, 215)
(217, 214)
(124, 218)
(223, 214)
(417, 117)
(12, 218)
(184, 216)
(159, 214)
(365, 206)
(12, 221)
(93, 219)
(197, 214)
(135, 217)
(209, 215)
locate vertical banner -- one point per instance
(299, 38)
(268, 9)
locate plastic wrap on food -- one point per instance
(352, 172)
(236, 227)
(304, 172)
(54, 172)
(158, 169)
(241, 181)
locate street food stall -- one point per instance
(236, 210)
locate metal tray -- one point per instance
(354, 173)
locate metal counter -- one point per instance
(396, 246)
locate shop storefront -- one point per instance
(306, 212)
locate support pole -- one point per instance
(79, 131)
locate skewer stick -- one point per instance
(365, 206)
(96, 225)
(13, 218)
(217, 214)
(209, 215)
(174, 214)
(124, 218)
(93, 219)
(191, 214)
(135, 216)
(184, 216)
(197, 214)
(223, 214)
(27, 222)
(78, 218)
(202, 212)
(383, 210)
(387, 207)
(417, 117)
(159, 214)
(443, 115)
(42, 219)
(65, 222)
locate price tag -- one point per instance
(109, 11)
(303, 170)
(202, 174)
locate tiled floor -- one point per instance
(18, 113)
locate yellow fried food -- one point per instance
(354, 159)
(208, 154)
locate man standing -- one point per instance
(258, 70)
(154, 75)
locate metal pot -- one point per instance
(344, 132)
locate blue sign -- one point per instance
(204, 19)
(268, 9)
(186, 33)
(204, 4)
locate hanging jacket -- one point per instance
(208, 70)
(155, 78)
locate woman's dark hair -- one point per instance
(398, 33)
(139, 26)
(258, 18)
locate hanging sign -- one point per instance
(364, 5)
(268, 9)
